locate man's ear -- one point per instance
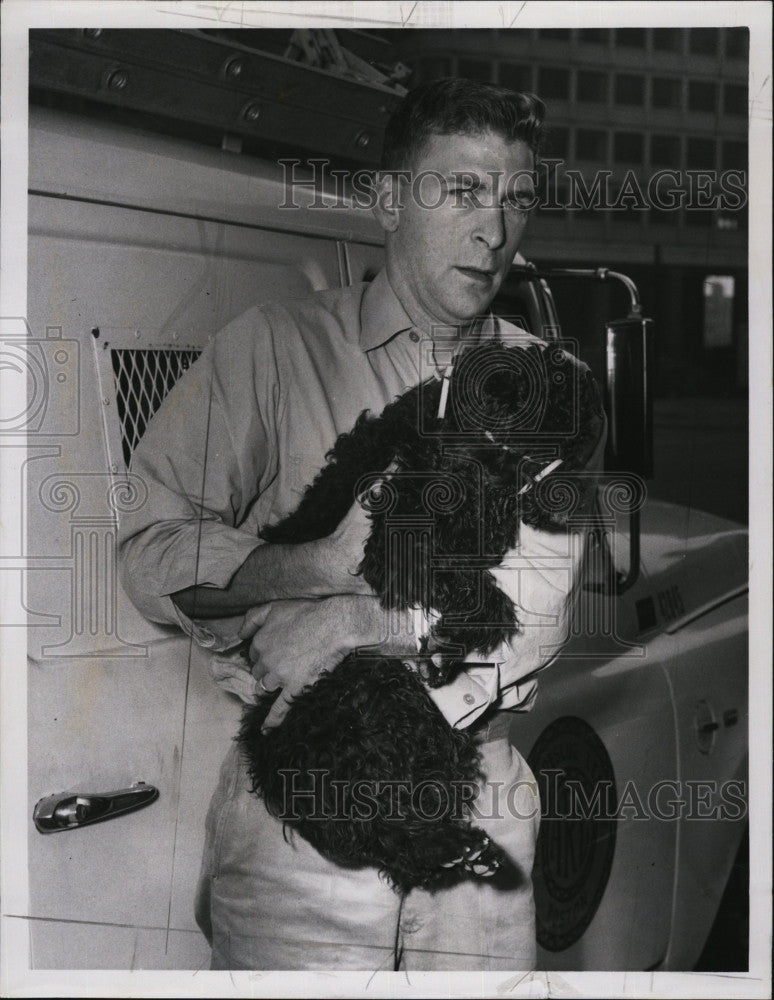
(389, 193)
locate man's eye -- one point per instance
(522, 204)
(465, 196)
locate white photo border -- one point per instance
(18, 16)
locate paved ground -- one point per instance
(700, 448)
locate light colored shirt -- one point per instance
(245, 430)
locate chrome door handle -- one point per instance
(69, 810)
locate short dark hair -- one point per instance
(454, 106)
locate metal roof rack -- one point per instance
(324, 100)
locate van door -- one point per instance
(120, 261)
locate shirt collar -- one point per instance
(382, 316)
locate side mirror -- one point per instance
(629, 395)
(627, 390)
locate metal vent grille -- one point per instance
(143, 377)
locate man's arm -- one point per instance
(280, 572)
(205, 457)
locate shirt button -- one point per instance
(414, 336)
(468, 699)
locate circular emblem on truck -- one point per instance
(576, 844)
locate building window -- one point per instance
(734, 99)
(590, 144)
(703, 41)
(628, 214)
(699, 216)
(558, 143)
(554, 202)
(665, 150)
(734, 156)
(629, 147)
(554, 34)
(593, 36)
(700, 154)
(629, 89)
(718, 310)
(554, 82)
(435, 67)
(518, 78)
(475, 69)
(702, 95)
(631, 38)
(667, 39)
(733, 219)
(590, 213)
(666, 92)
(663, 216)
(592, 86)
(737, 42)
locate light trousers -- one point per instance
(267, 900)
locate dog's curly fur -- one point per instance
(369, 772)
(510, 412)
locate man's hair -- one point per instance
(454, 106)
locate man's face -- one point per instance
(456, 238)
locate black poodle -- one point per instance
(364, 765)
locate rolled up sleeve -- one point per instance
(203, 459)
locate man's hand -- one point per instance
(293, 642)
(340, 554)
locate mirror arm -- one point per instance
(625, 581)
(599, 273)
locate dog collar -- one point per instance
(445, 381)
(547, 469)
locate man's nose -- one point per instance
(490, 226)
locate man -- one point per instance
(233, 447)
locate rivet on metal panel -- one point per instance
(251, 112)
(232, 67)
(116, 79)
